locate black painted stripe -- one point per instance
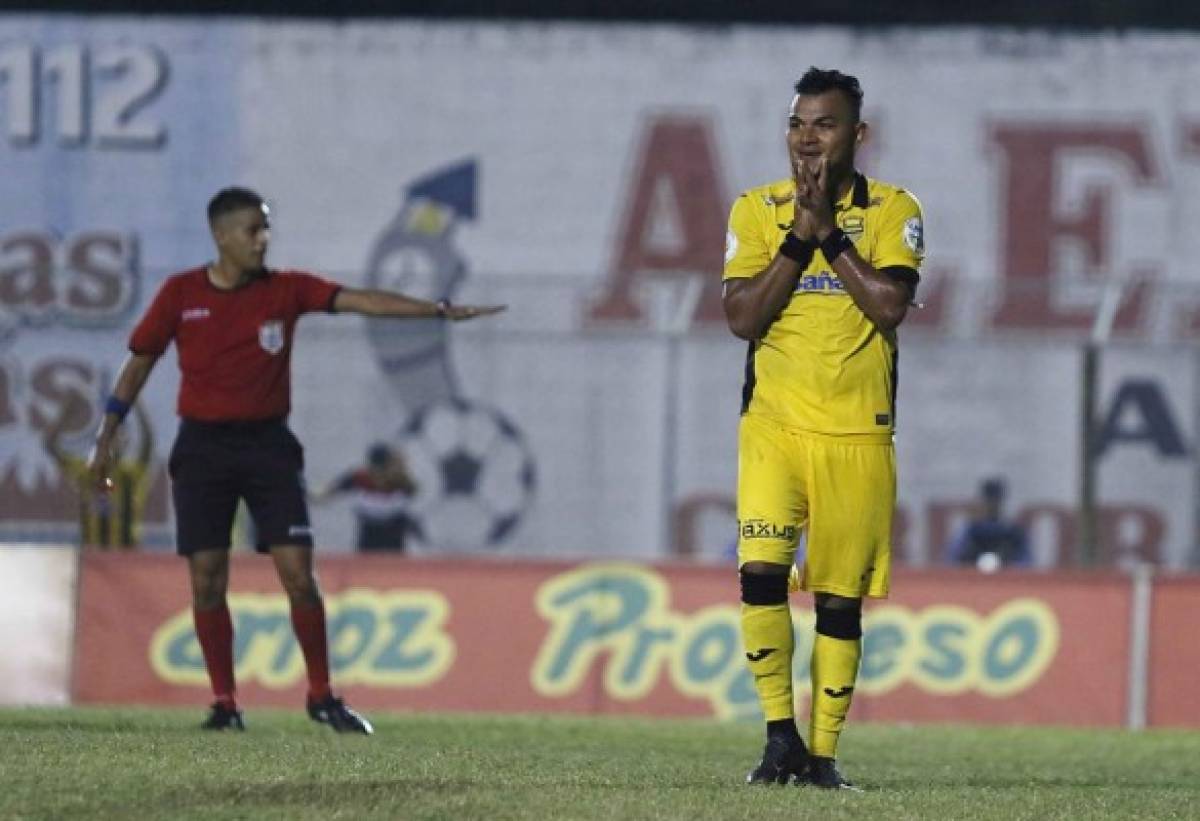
(748, 383)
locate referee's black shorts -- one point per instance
(213, 464)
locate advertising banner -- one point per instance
(614, 638)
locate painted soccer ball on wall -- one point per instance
(476, 476)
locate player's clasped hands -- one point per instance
(814, 205)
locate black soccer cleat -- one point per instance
(823, 773)
(335, 713)
(784, 761)
(221, 717)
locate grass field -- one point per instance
(151, 764)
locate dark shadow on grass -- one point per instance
(42, 726)
(356, 792)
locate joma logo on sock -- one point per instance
(842, 693)
(762, 529)
(761, 654)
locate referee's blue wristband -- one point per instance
(117, 408)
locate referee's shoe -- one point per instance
(335, 713)
(222, 716)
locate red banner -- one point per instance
(472, 634)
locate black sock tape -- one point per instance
(840, 623)
(764, 588)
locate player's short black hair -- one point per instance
(228, 200)
(818, 81)
(379, 455)
(993, 487)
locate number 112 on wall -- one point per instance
(102, 97)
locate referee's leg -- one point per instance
(205, 501)
(274, 491)
(295, 567)
(294, 564)
(209, 572)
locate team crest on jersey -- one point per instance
(914, 235)
(270, 336)
(731, 246)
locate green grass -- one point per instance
(150, 764)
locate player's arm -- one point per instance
(883, 293)
(132, 376)
(753, 300)
(880, 294)
(390, 304)
(400, 476)
(752, 303)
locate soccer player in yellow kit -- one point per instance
(820, 269)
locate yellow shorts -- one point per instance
(840, 492)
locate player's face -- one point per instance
(822, 126)
(242, 237)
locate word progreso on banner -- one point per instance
(620, 617)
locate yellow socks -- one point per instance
(835, 661)
(767, 637)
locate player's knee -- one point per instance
(840, 622)
(208, 589)
(764, 588)
(207, 598)
(301, 588)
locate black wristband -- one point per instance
(797, 250)
(835, 244)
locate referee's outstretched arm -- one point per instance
(389, 303)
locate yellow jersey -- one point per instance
(823, 366)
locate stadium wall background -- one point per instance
(1123, 14)
(530, 163)
(601, 638)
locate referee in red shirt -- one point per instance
(232, 322)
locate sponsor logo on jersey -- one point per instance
(762, 529)
(824, 282)
(192, 314)
(731, 246)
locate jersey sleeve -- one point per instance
(314, 293)
(157, 326)
(746, 250)
(901, 237)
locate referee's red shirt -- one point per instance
(235, 347)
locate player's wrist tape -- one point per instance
(443, 308)
(798, 250)
(835, 244)
(117, 408)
